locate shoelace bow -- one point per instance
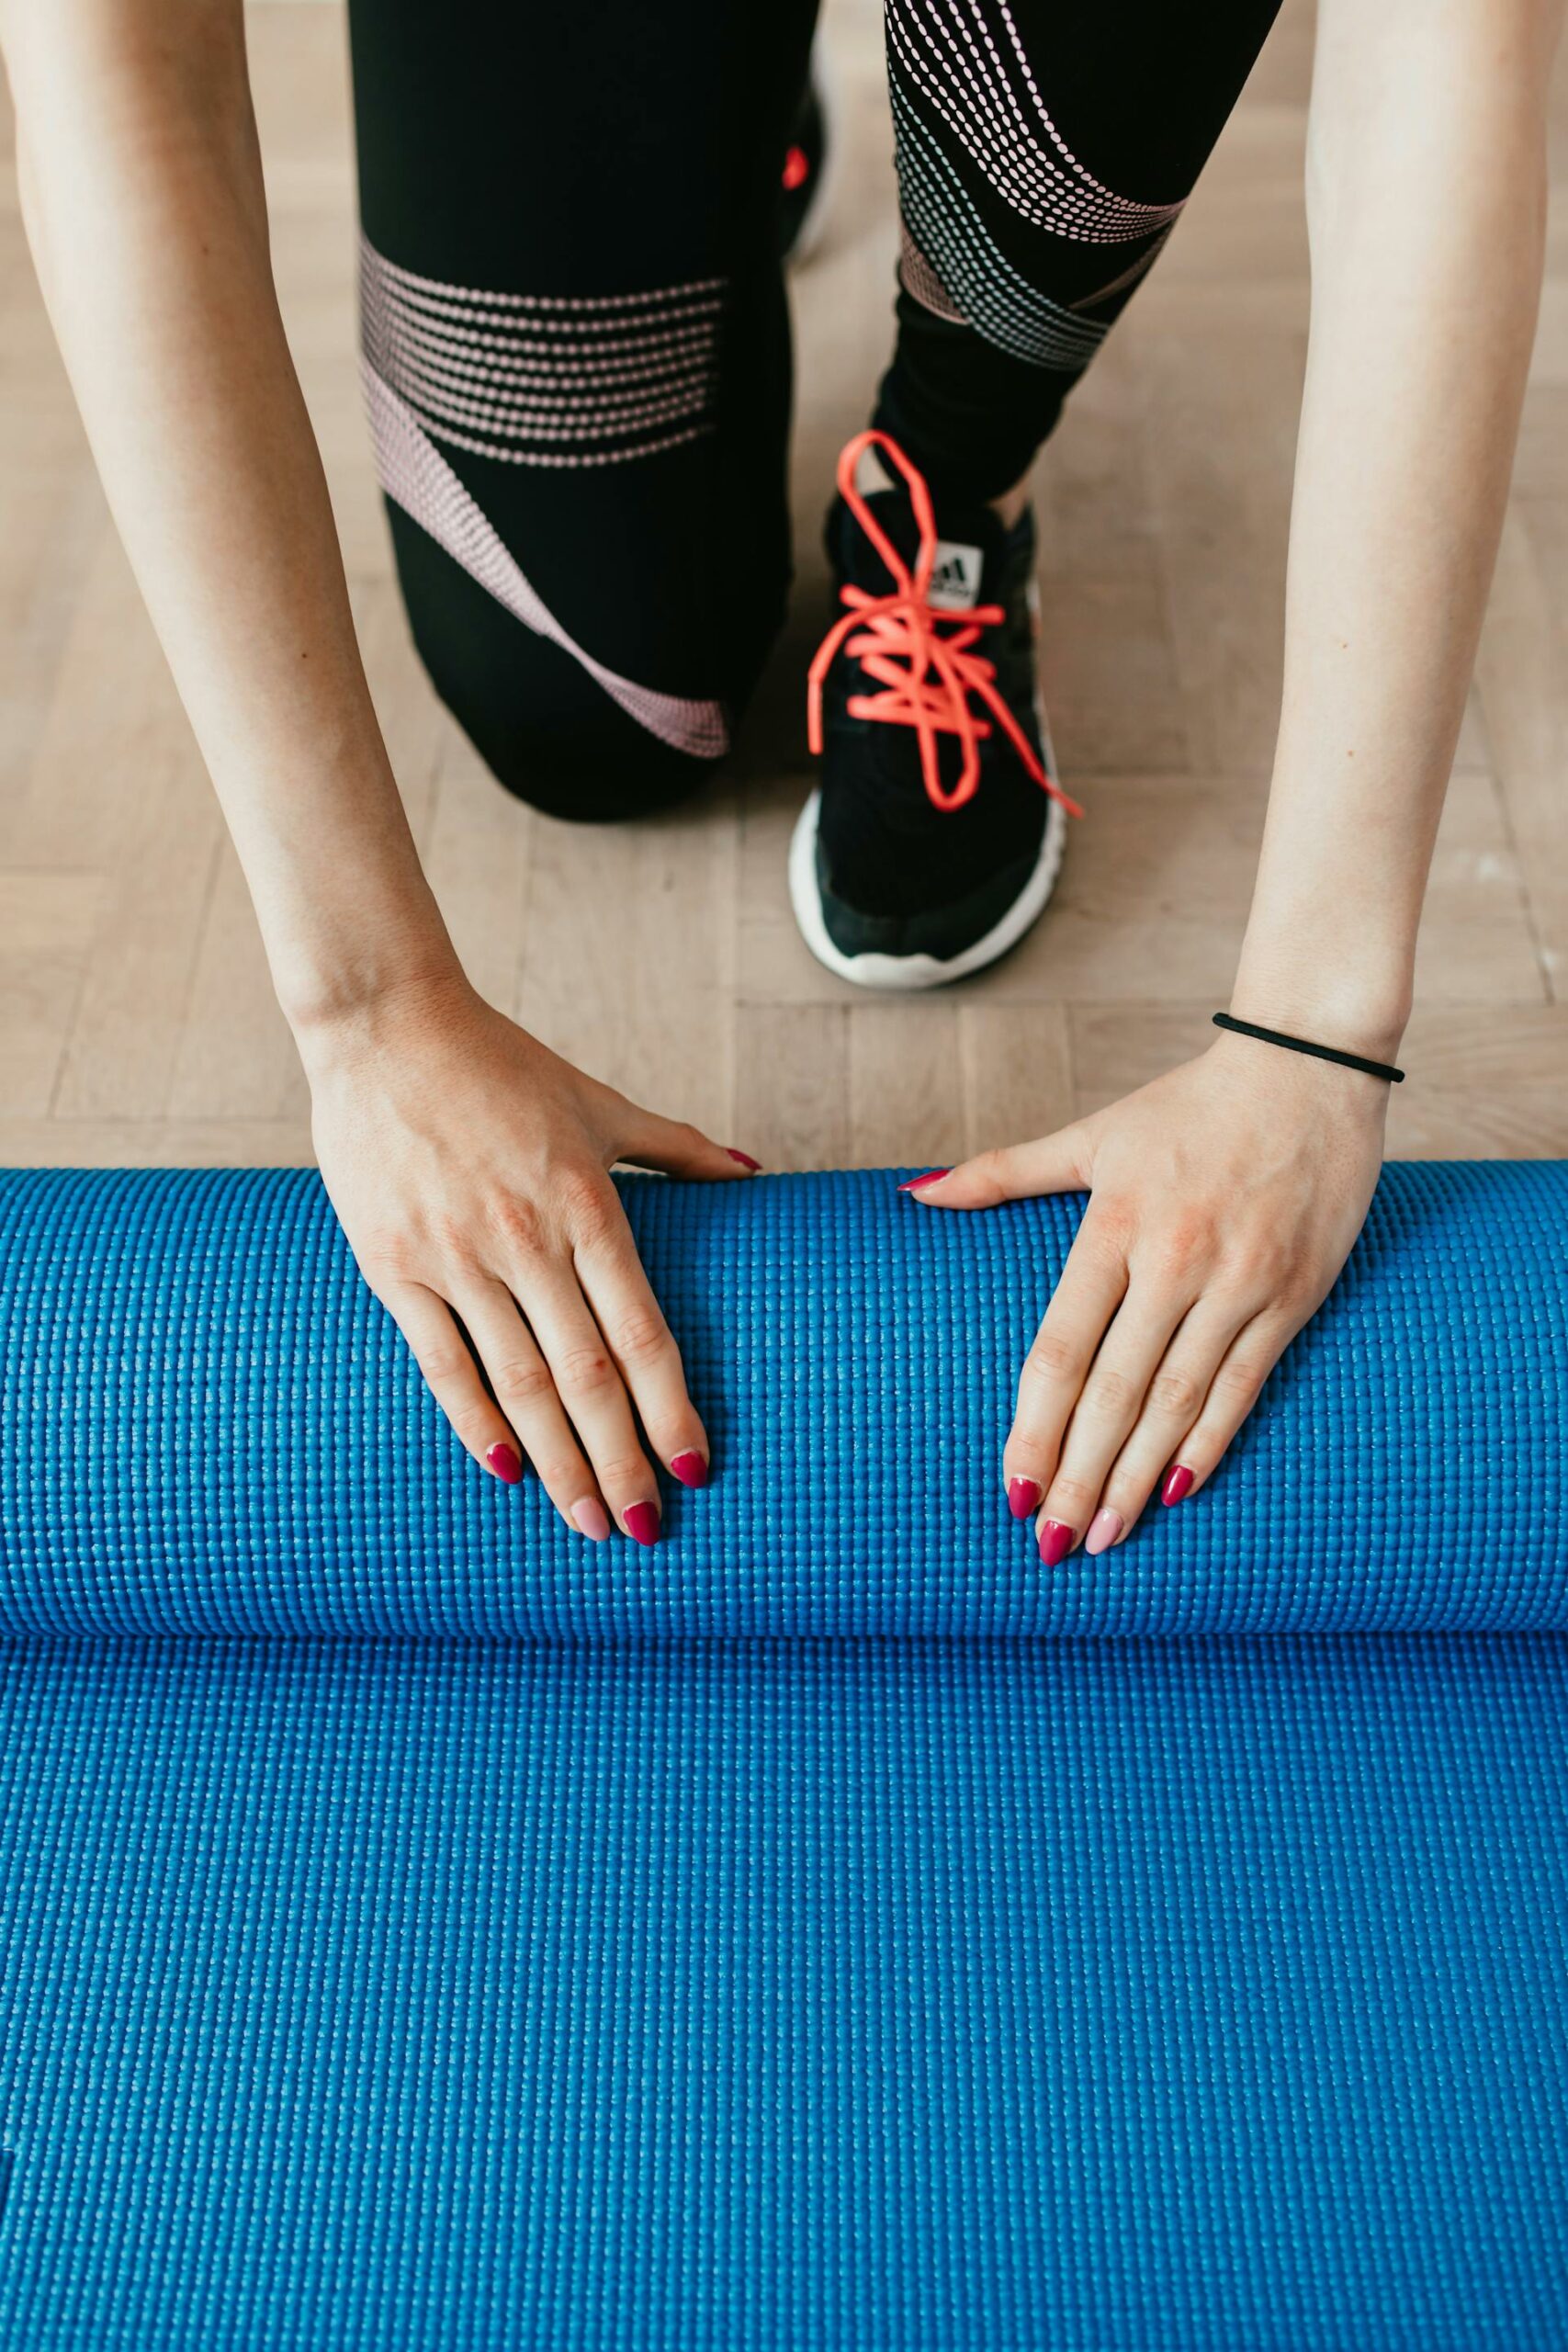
(928, 676)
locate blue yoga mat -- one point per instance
(210, 1427)
(418, 1929)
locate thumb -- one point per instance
(1057, 1163)
(677, 1148)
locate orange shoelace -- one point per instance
(922, 658)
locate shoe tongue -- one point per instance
(970, 542)
(955, 577)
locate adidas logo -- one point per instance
(955, 578)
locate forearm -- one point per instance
(144, 200)
(1425, 203)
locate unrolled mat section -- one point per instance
(759, 1996)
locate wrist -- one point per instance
(338, 1018)
(1357, 1011)
(1304, 1088)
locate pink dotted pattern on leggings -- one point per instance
(535, 380)
(416, 477)
(966, 60)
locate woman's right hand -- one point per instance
(469, 1167)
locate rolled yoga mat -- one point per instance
(210, 1427)
(418, 1928)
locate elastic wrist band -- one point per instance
(1305, 1045)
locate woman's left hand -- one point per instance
(1225, 1198)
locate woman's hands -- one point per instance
(470, 1168)
(1224, 1200)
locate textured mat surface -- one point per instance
(792, 1950)
(209, 1426)
(1020, 1994)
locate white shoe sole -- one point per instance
(910, 972)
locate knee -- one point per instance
(551, 731)
(592, 766)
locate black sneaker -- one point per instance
(804, 174)
(934, 838)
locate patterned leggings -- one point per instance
(576, 341)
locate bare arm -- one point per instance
(468, 1165)
(1425, 203)
(1226, 1196)
(141, 191)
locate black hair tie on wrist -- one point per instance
(1304, 1045)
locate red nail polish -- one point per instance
(931, 1176)
(1056, 1542)
(690, 1468)
(745, 1158)
(1178, 1482)
(503, 1461)
(1023, 1497)
(642, 1522)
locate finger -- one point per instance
(1093, 1284)
(591, 1389)
(1113, 1397)
(1011, 1173)
(643, 1347)
(1175, 1396)
(676, 1148)
(526, 1392)
(453, 1378)
(1244, 1366)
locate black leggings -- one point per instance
(576, 341)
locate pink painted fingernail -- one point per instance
(1178, 1482)
(745, 1158)
(1056, 1542)
(1023, 1497)
(690, 1468)
(642, 1522)
(931, 1176)
(503, 1461)
(591, 1519)
(1104, 1529)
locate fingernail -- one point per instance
(932, 1176)
(1056, 1542)
(745, 1158)
(1178, 1482)
(642, 1522)
(503, 1461)
(591, 1519)
(690, 1468)
(1104, 1529)
(1023, 1497)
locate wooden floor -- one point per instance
(135, 1020)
